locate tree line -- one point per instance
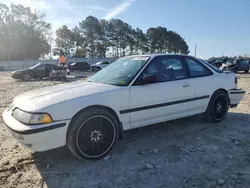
(114, 38)
(24, 34)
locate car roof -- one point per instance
(156, 55)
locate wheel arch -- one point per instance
(222, 89)
(109, 109)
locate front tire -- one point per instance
(27, 77)
(217, 108)
(92, 134)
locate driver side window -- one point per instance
(40, 67)
(165, 68)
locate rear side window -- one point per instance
(212, 66)
(196, 68)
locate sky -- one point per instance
(217, 26)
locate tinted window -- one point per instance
(78, 64)
(40, 67)
(105, 63)
(167, 68)
(81, 64)
(245, 61)
(212, 66)
(196, 68)
(36, 65)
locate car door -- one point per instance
(40, 71)
(243, 65)
(204, 83)
(167, 98)
(78, 66)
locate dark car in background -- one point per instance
(211, 61)
(79, 66)
(218, 63)
(237, 65)
(37, 71)
(99, 65)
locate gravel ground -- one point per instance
(182, 153)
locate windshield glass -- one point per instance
(35, 66)
(121, 72)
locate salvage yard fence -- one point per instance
(17, 65)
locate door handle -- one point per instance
(185, 85)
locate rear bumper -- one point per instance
(236, 95)
(37, 137)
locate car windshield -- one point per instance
(35, 66)
(121, 72)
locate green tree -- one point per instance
(100, 38)
(64, 40)
(23, 33)
(153, 39)
(91, 30)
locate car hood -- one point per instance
(20, 71)
(39, 99)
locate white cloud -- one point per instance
(119, 9)
(60, 12)
(34, 5)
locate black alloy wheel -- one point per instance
(95, 136)
(218, 107)
(92, 134)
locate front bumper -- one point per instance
(16, 76)
(37, 137)
(236, 95)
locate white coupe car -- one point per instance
(89, 116)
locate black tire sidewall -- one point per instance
(210, 110)
(76, 124)
(27, 74)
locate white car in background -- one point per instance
(99, 65)
(135, 91)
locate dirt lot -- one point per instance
(182, 153)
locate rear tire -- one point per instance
(92, 134)
(217, 108)
(246, 71)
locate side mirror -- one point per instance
(149, 79)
